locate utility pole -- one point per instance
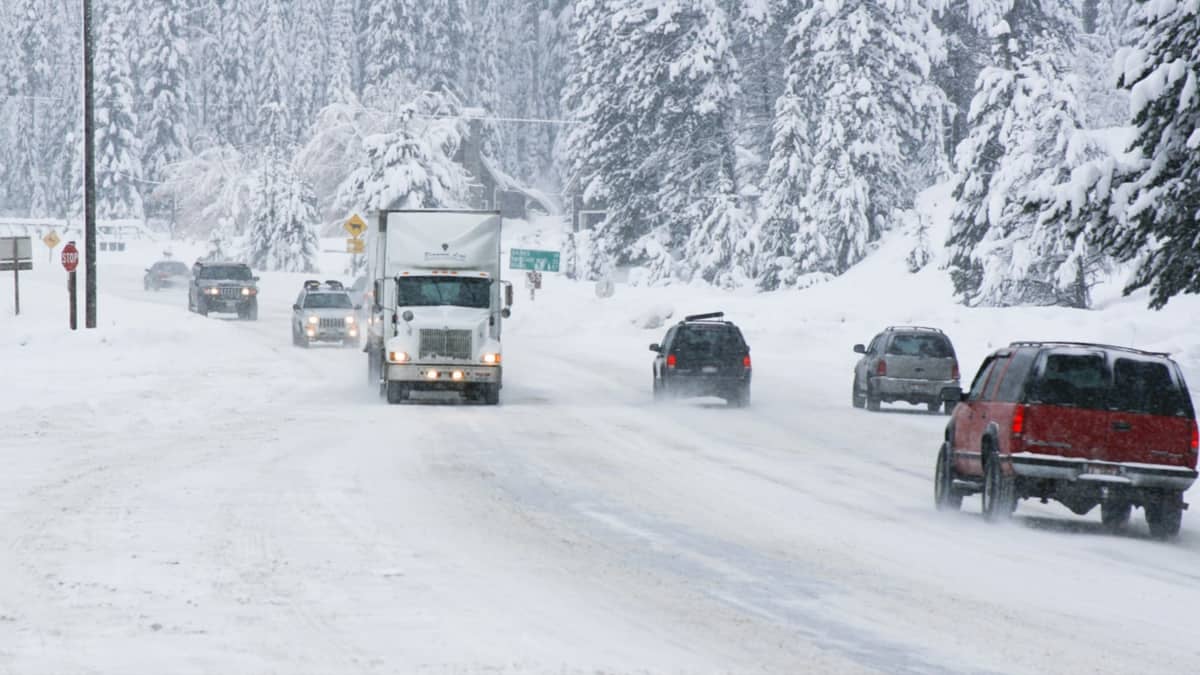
(89, 173)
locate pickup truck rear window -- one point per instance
(929, 346)
(1148, 387)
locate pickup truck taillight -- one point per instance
(671, 360)
(954, 371)
(1018, 420)
(881, 368)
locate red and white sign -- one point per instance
(70, 256)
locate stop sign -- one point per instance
(70, 256)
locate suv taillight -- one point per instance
(1195, 439)
(746, 361)
(671, 360)
(954, 371)
(1018, 421)
(881, 368)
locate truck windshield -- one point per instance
(434, 291)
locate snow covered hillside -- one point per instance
(194, 495)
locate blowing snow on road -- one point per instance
(195, 495)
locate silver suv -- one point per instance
(324, 313)
(905, 363)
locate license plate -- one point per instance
(708, 369)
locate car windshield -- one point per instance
(327, 301)
(172, 267)
(226, 272)
(930, 346)
(434, 291)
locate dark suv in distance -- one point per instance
(1079, 423)
(905, 363)
(223, 287)
(703, 355)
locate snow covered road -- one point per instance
(193, 495)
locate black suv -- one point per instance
(223, 287)
(703, 355)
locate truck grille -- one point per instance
(445, 343)
(332, 324)
(229, 292)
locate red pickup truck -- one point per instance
(1080, 423)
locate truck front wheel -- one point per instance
(491, 394)
(396, 392)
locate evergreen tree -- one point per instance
(164, 71)
(118, 154)
(784, 185)
(1159, 200)
(389, 47)
(283, 210)
(410, 166)
(234, 86)
(1023, 120)
(444, 28)
(308, 79)
(340, 88)
(273, 70)
(864, 70)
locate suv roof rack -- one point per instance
(312, 285)
(334, 284)
(1072, 343)
(935, 330)
(704, 317)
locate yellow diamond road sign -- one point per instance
(355, 246)
(355, 226)
(51, 239)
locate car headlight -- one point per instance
(313, 320)
(212, 291)
(491, 358)
(349, 320)
(248, 291)
(398, 357)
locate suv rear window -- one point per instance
(718, 339)
(929, 346)
(1079, 380)
(1148, 387)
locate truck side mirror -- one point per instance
(377, 293)
(508, 294)
(407, 315)
(506, 312)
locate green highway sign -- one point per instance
(529, 259)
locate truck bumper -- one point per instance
(1113, 474)
(914, 391)
(443, 375)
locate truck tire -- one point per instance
(999, 492)
(945, 497)
(857, 400)
(491, 394)
(249, 312)
(873, 401)
(1164, 515)
(374, 367)
(740, 397)
(1115, 515)
(396, 392)
(201, 306)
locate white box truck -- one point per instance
(438, 303)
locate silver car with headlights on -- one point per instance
(324, 312)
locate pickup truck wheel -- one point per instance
(1164, 515)
(999, 492)
(857, 399)
(396, 392)
(945, 497)
(934, 406)
(1114, 515)
(872, 401)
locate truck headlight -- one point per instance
(349, 321)
(492, 358)
(248, 291)
(398, 357)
